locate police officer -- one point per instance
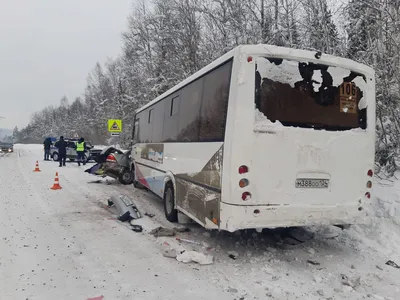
(80, 150)
(47, 145)
(62, 151)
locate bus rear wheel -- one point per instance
(169, 203)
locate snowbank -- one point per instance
(382, 233)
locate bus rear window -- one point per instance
(303, 94)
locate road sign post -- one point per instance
(115, 127)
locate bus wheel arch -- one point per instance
(171, 213)
(136, 183)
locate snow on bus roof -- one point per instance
(269, 51)
(307, 55)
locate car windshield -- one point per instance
(303, 94)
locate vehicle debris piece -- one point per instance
(137, 228)
(125, 217)
(352, 282)
(188, 241)
(127, 210)
(233, 254)
(96, 298)
(312, 262)
(392, 264)
(181, 229)
(149, 215)
(161, 231)
(170, 253)
(194, 256)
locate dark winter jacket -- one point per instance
(47, 144)
(62, 147)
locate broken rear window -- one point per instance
(303, 94)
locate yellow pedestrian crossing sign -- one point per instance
(115, 126)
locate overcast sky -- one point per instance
(48, 47)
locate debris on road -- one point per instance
(233, 254)
(188, 241)
(352, 282)
(181, 229)
(127, 210)
(96, 298)
(392, 264)
(149, 215)
(95, 181)
(193, 256)
(137, 228)
(161, 231)
(170, 253)
(312, 262)
(125, 217)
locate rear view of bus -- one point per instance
(299, 143)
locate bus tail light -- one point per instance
(370, 173)
(368, 195)
(246, 196)
(369, 184)
(249, 59)
(243, 183)
(111, 158)
(243, 169)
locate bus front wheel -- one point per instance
(169, 203)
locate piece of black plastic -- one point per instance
(137, 228)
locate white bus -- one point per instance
(263, 137)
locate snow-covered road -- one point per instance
(67, 245)
(62, 245)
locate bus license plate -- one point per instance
(312, 183)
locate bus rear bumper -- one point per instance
(236, 217)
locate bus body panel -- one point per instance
(234, 217)
(279, 155)
(196, 168)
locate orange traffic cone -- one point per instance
(37, 167)
(56, 185)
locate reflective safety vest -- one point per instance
(80, 147)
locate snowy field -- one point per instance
(67, 244)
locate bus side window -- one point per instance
(169, 128)
(215, 103)
(189, 112)
(174, 106)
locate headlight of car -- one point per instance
(1, 150)
(9, 150)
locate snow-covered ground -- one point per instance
(68, 244)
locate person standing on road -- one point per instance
(47, 145)
(62, 151)
(80, 150)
